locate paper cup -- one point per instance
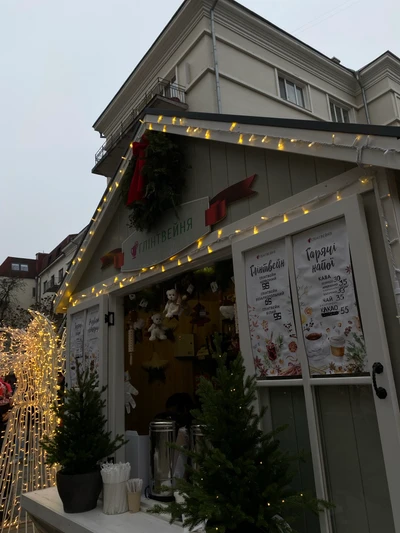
(134, 501)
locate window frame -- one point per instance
(334, 105)
(45, 286)
(297, 87)
(24, 267)
(60, 275)
(15, 267)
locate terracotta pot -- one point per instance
(80, 492)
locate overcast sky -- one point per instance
(62, 61)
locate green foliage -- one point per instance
(356, 353)
(164, 180)
(80, 441)
(243, 478)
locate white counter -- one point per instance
(46, 506)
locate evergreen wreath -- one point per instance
(164, 179)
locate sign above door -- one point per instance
(178, 229)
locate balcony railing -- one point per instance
(163, 88)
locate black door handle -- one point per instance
(377, 368)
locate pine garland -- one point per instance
(243, 478)
(164, 176)
(80, 441)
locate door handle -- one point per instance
(377, 368)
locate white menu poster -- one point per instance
(271, 323)
(329, 312)
(76, 344)
(92, 332)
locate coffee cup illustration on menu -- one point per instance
(337, 343)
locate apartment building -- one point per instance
(219, 57)
(20, 267)
(53, 266)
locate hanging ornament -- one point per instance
(199, 315)
(173, 307)
(155, 367)
(131, 343)
(130, 392)
(157, 330)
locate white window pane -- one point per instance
(291, 92)
(339, 117)
(333, 113)
(24, 268)
(14, 266)
(300, 97)
(282, 88)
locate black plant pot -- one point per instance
(80, 492)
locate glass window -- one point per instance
(14, 266)
(52, 281)
(45, 286)
(339, 114)
(60, 275)
(24, 268)
(33, 292)
(291, 92)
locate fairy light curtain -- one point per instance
(36, 355)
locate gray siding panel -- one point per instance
(278, 172)
(236, 172)
(255, 164)
(302, 172)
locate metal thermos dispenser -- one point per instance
(162, 434)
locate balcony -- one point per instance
(163, 95)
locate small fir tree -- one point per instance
(242, 481)
(80, 440)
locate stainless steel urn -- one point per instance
(161, 434)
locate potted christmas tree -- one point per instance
(242, 479)
(79, 443)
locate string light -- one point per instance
(165, 128)
(35, 354)
(240, 141)
(221, 237)
(173, 120)
(160, 119)
(281, 145)
(208, 134)
(233, 126)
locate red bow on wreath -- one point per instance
(136, 189)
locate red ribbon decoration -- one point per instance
(136, 189)
(115, 257)
(217, 210)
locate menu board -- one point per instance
(92, 332)
(76, 344)
(84, 344)
(329, 312)
(271, 323)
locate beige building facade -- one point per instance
(219, 57)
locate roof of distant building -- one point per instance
(18, 267)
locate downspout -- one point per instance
(215, 57)
(357, 76)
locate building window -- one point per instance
(52, 281)
(14, 266)
(339, 113)
(45, 286)
(33, 292)
(60, 275)
(24, 268)
(291, 92)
